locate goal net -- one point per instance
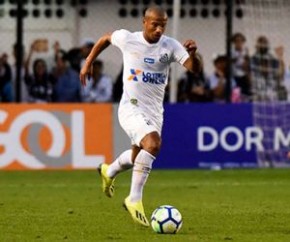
(270, 85)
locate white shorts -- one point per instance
(137, 123)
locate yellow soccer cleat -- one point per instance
(107, 182)
(136, 211)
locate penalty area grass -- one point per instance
(227, 205)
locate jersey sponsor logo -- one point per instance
(154, 78)
(164, 58)
(147, 77)
(134, 74)
(149, 60)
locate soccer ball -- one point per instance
(166, 219)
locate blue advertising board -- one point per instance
(216, 136)
(208, 136)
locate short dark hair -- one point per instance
(220, 58)
(262, 39)
(90, 45)
(238, 35)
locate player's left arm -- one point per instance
(193, 62)
(98, 48)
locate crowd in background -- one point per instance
(60, 84)
(258, 77)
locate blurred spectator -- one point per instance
(4, 58)
(67, 86)
(240, 55)
(74, 58)
(281, 88)
(266, 72)
(99, 87)
(5, 80)
(287, 83)
(217, 81)
(118, 87)
(39, 82)
(77, 55)
(193, 87)
(86, 48)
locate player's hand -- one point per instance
(85, 71)
(190, 46)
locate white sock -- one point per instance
(122, 163)
(141, 171)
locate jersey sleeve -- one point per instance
(180, 54)
(119, 38)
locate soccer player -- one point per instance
(146, 57)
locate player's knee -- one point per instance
(152, 144)
(153, 147)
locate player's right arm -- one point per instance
(98, 48)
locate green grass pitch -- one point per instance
(227, 205)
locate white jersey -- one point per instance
(146, 68)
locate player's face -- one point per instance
(154, 26)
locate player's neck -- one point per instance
(148, 40)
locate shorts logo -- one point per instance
(134, 74)
(164, 58)
(148, 122)
(149, 60)
(134, 101)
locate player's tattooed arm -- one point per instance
(98, 48)
(193, 63)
